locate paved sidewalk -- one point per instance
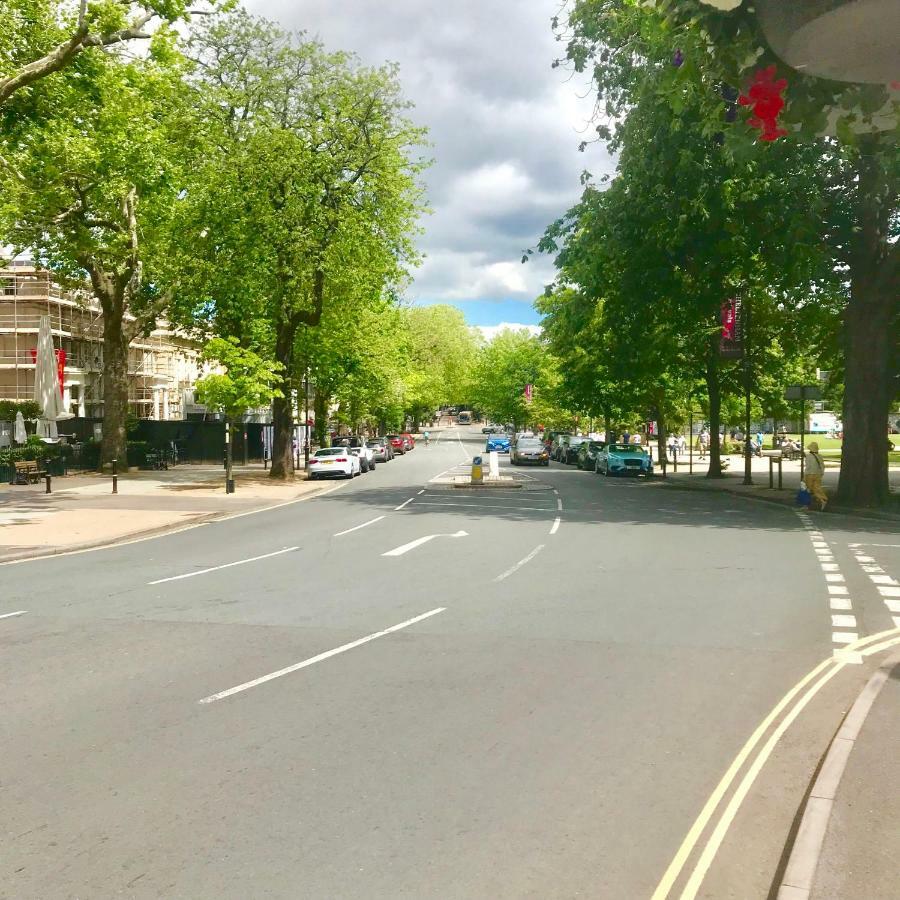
(82, 511)
(859, 859)
(732, 479)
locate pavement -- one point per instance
(732, 480)
(81, 511)
(580, 687)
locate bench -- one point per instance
(27, 471)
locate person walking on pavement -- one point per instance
(814, 470)
(427, 435)
(703, 441)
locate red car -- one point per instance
(410, 440)
(398, 442)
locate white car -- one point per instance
(334, 462)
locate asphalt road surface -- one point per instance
(402, 690)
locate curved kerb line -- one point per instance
(706, 814)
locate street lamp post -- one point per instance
(306, 419)
(748, 384)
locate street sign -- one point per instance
(803, 392)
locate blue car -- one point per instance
(498, 442)
(623, 459)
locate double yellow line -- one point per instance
(812, 682)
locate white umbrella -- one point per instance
(19, 433)
(46, 384)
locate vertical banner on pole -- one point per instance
(731, 340)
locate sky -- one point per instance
(504, 128)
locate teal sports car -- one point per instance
(623, 459)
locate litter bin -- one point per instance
(477, 471)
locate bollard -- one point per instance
(779, 473)
(674, 460)
(47, 484)
(115, 473)
(477, 471)
(663, 461)
(771, 473)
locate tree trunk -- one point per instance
(114, 444)
(282, 407)
(870, 336)
(714, 392)
(320, 405)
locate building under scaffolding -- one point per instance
(162, 368)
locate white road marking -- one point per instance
(893, 605)
(319, 658)
(239, 562)
(836, 577)
(874, 545)
(520, 563)
(843, 621)
(421, 492)
(837, 590)
(555, 527)
(887, 587)
(844, 637)
(840, 603)
(487, 506)
(18, 612)
(829, 567)
(559, 504)
(405, 548)
(357, 527)
(405, 503)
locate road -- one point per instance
(537, 700)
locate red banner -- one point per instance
(731, 344)
(60, 366)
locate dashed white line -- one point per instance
(319, 658)
(520, 563)
(559, 504)
(887, 587)
(555, 527)
(239, 562)
(357, 527)
(421, 492)
(18, 612)
(405, 503)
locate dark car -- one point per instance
(587, 454)
(529, 450)
(398, 443)
(570, 448)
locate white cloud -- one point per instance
(505, 128)
(491, 331)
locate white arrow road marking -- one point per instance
(405, 548)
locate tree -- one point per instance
(41, 37)
(690, 54)
(93, 195)
(510, 362)
(242, 380)
(310, 197)
(442, 350)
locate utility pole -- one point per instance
(748, 384)
(306, 418)
(229, 474)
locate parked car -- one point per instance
(570, 448)
(360, 448)
(492, 429)
(382, 448)
(334, 462)
(559, 441)
(529, 450)
(587, 454)
(623, 459)
(498, 442)
(410, 440)
(398, 443)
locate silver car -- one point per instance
(529, 450)
(381, 448)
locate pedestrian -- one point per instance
(703, 440)
(682, 444)
(759, 443)
(626, 437)
(670, 444)
(814, 470)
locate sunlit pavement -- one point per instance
(399, 689)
